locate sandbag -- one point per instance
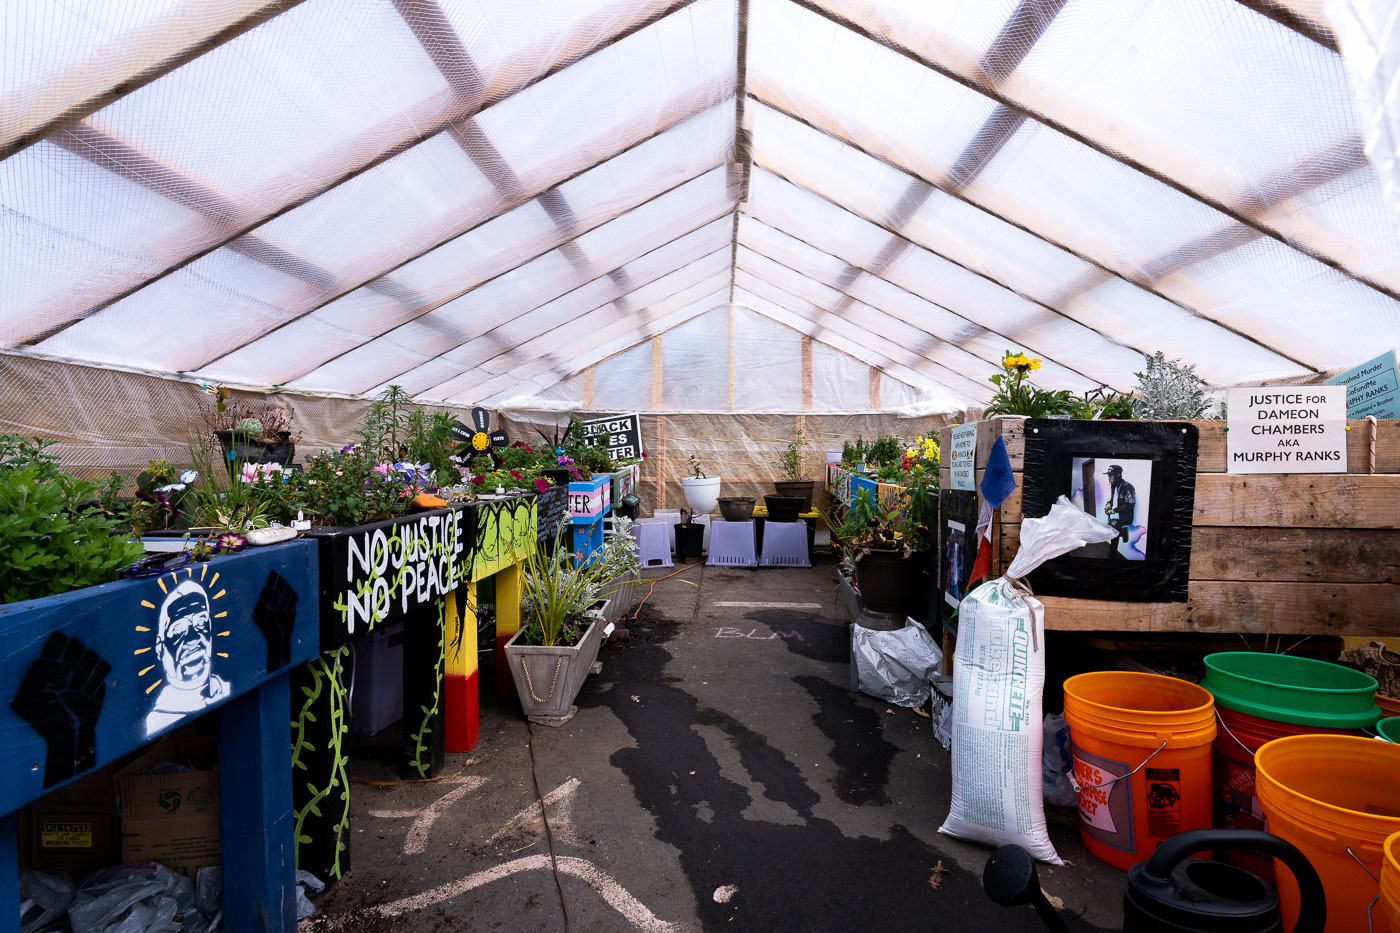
(998, 682)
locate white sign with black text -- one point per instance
(1286, 429)
(962, 458)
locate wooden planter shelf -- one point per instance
(1300, 554)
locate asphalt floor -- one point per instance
(719, 775)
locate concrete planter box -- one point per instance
(555, 675)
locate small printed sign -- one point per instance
(1373, 388)
(962, 459)
(1277, 429)
(622, 435)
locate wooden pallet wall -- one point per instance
(1315, 554)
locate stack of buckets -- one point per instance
(1293, 755)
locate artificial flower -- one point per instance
(189, 476)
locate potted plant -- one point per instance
(562, 612)
(875, 547)
(1015, 394)
(736, 508)
(790, 463)
(701, 490)
(690, 537)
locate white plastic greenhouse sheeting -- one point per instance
(547, 205)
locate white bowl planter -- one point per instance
(702, 494)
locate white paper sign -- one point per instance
(1277, 429)
(962, 458)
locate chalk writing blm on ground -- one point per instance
(725, 631)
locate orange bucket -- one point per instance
(1389, 706)
(1141, 745)
(1390, 881)
(1337, 798)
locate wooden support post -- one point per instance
(731, 357)
(459, 684)
(588, 388)
(874, 389)
(9, 873)
(508, 583)
(806, 372)
(255, 810)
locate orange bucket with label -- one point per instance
(1141, 745)
(1337, 798)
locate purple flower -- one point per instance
(230, 543)
(565, 460)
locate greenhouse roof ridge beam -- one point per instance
(961, 196)
(432, 128)
(387, 334)
(982, 87)
(742, 149)
(981, 328)
(820, 313)
(1303, 25)
(596, 336)
(81, 110)
(454, 234)
(637, 285)
(933, 339)
(925, 248)
(890, 366)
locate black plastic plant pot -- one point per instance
(690, 540)
(801, 488)
(883, 579)
(559, 477)
(783, 508)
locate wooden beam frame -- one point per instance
(961, 196)
(981, 86)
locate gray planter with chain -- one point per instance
(548, 679)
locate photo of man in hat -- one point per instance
(185, 652)
(1117, 496)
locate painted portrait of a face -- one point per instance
(185, 651)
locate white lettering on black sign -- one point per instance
(397, 567)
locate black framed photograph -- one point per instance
(1137, 477)
(957, 549)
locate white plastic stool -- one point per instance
(652, 542)
(732, 544)
(785, 545)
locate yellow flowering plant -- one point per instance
(1015, 394)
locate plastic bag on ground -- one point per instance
(896, 666)
(1055, 763)
(136, 899)
(998, 682)
(307, 884)
(43, 899)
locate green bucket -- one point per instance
(1295, 690)
(1389, 729)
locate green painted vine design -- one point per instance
(422, 761)
(326, 676)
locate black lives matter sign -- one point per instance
(621, 435)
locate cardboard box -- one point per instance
(73, 830)
(170, 818)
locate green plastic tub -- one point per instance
(1294, 690)
(1389, 729)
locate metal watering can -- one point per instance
(1174, 893)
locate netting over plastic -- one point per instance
(698, 205)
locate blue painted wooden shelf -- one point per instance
(94, 674)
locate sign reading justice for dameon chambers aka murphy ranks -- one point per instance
(1286, 429)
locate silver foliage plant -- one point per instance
(1168, 391)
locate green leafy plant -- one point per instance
(54, 534)
(560, 587)
(387, 426)
(220, 499)
(697, 468)
(1105, 404)
(1170, 391)
(1016, 395)
(868, 526)
(919, 509)
(790, 463)
(885, 451)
